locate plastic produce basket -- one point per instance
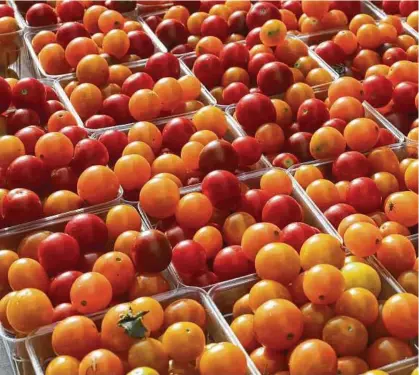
(138, 66)
(29, 35)
(39, 344)
(225, 294)
(312, 214)
(14, 345)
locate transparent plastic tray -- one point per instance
(29, 35)
(312, 215)
(39, 344)
(137, 66)
(225, 294)
(15, 346)
(232, 133)
(189, 60)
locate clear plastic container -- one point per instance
(15, 346)
(232, 133)
(312, 214)
(39, 344)
(225, 294)
(137, 66)
(29, 35)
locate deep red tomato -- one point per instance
(312, 114)
(299, 145)
(404, 95)
(336, 123)
(69, 31)
(294, 6)
(237, 22)
(135, 82)
(282, 210)
(116, 106)
(222, 188)
(59, 290)
(62, 311)
(21, 206)
(285, 160)
(189, 257)
(257, 62)
(215, 26)
(153, 22)
(115, 141)
(234, 54)
(231, 262)
(22, 118)
(253, 38)
(162, 64)
(336, 213)
(176, 133)
(100, 122)
(172, 33)
(364, 195)
(29, 136)
(253, 202)
(140, 44)
(41, 15)
(208, 70)
(330, 52)
(295, 234)
(393, 55)
(69, 10)
(378, 90)
(234, 92)
(350, 165)
(74, 133)
(205, 279)
(274, 78)
(89, 152)
(385, 137)
(87, 261)
(260, 13)
(5, 95)
(248, 149)
(64, 179)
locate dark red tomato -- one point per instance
(100, 122)
(330, 52)
(253, 38)
(215, 26)
(41, 15)
(237, 23)
(21, 206)
(172, 32)
(350, 7)
(140, 44)
(393, 55)
(407, 6)
(248, 149)
(378, 90)
(87, 261)
(151, 252)
(29, 136)
(404, 95)
(254, 110)
(69, 31)
(208, 70)
(59, 290)
(285, 160)
(364, 195)
(293, 6)
(116, 106)
(234, 54)
(336, 123)
(176, 133)
(257, 62)
(274, 78)
(189, 257)
(153, 22)
(5, 95)
(350, 165)
(295, 234)
(299, 145)
(181, 49)
(29, 93)
(89, 152)
(218, 154)
(50, 107)
(120, 6)
(312, 114)
(162, 64)
(234, 92)
(115, 141)
(253, 202)
(178, 234)
(282, 210)
(6, 11)
(192, 5)
(28, 172)
(89, 230)
(62, 311)
(385, 138)
(20, 119)
(336, 213)
(206, 5)
(223, 189)
(231, 262)
(390, 6)
(69, 10)
(51, 94)
(64, 179)
(292, 129)
(205, 279)
(135, 82)
(58, 252)
(260, 13)
(74, 133)
(401, 121)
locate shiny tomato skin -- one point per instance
(260, 13)
(253, 202)
(364, 195)
(59, 291)
(234, 54)
(222, 188)
(248, 149)
(285, 160)
(299, 145)
(282, 210)
(29, 93)
(350, 165)
(189, 257)
(312, 114)
(295, 234)
(336, 123)
(208, 70)
(231, 262)
(336, 213)
(62, 311)
(377, 90)
(29, 136)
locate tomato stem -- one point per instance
(133, 324)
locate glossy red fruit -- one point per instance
(140, 44)
(253, 202)
(234, 54)
(135, 82)
(237, 22)
(274, 78)
(115, 141)
(177, 234)
(181, 49)
(74, 133)
(391, 6)
(406, 7)
(89, 230)
(69, 31)
(64, 179)
(20, 119)
(385, 138)
(151, 252)
(299, 144)
(231, 262)
(218, 154)
(350, 165)
(257, 62)
(50, 107)
(121, 6)
(392, 55)
(349, 7)
(378, 90)
(100, 122)
(177, 133)
(153, 22)
(172, 32)
(330, 52)
(21, 206)
(364, 195)
(6, 11)
(205, 279)
(222, 188)
(260, 13)
(234, 92)
(116, 106)
(63, 311)
(162, 64)
(51, 94)
(28, 172)
(285, 160)
(282, 210)
(70, 10)
(208, 70)
(295, 234)
(293, 6)
(58, 252)
(336, 213)
(29, 136)
(253, 38)
(41, 15)
(312, 114)
(89, 152)
(254, 110)
(189, 257)
(404, 95)
(248, 150)
(5, 94)
(336, 123)
(29, 93)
